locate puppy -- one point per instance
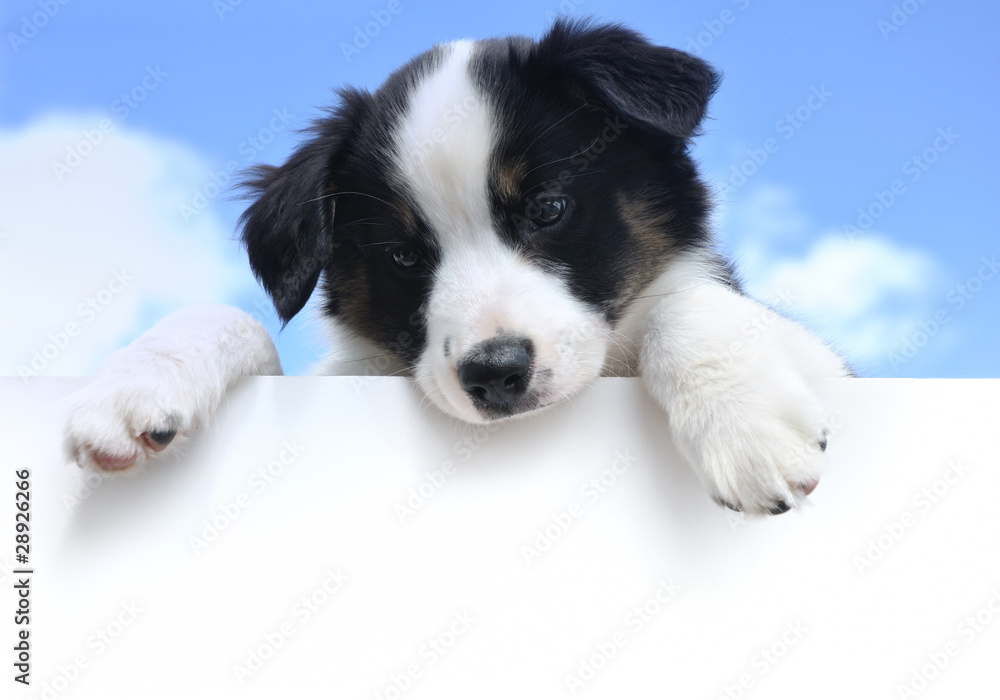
(504, 220)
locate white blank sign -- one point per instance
(340, 538)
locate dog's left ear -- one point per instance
(288, 229)
(656, 88)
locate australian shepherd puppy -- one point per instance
(504, 220)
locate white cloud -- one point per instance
(863, 295)
(109, 231)
(772, 213)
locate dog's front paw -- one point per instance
(760, 454)
(122, 420)
(149, 395)
(739, 384)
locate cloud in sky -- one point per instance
(866, 296)
(92, 246)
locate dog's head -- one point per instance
(489, 214)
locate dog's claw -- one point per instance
(779, 508)
(727, 504)
(157, 440)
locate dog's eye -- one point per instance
(406, 258)
(546, 210)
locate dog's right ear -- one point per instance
(288, 229)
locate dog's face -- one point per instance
(490, 213)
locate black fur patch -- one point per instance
(597, 115)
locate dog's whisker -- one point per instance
(366, 359)
(384, 243)
(550, 128)
(676, 291)
(337, 194)
(569, 157)
(553, 162)
(368, 222)
(544, 184)
(626, 345)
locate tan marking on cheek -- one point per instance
(353, 301)
(649, 226)
(508, 179)
(407, 219)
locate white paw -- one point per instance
(737, 382)
(148, 396)
(118, 421)
(762, 452)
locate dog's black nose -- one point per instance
(496, 371)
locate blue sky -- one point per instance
(852, 149)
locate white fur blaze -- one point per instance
(482, 287)
(443, 147)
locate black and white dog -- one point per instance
(506, 220)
